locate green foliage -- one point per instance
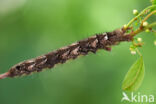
(135, 76)
(153, 2)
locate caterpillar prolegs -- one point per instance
(48, 61)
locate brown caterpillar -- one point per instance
(91, 44)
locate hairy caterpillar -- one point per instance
(91, 44)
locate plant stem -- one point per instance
(5, 75)
(149, 15)
(140, 14)
(139, 30)
(138, 52)
(150, 25)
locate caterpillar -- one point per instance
(83, 47)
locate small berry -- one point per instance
(139, 39)
(147, 30)
(145, 23)
(155, 42)
(133, 52)
(135, 12)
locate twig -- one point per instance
(149, 15)
(5, 75)
(140, 14)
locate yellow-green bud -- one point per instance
(133, 52)
(139, 39)
(135, 12)
(145, 23)
(147, 30)
(155, 42)
(125, 26)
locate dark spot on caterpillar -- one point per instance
(18, 67)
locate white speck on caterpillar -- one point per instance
(31, 61)
(75, 51)
(31, 67)
(63, 48)
(65, 54)
(94, 43)
(93, 36)
(106, 37)
(74, 44)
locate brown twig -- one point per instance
(5, 75)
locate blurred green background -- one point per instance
(29, 28)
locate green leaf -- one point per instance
(135, 76)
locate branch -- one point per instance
(139, 15)
(2, 76)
